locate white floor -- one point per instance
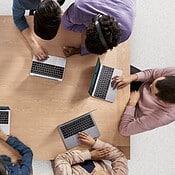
(152, 45)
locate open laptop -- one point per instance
(52, 68)
(5, 119)
(69, 130)
(100, 85)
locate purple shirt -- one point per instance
(150, 112)
(78, 16)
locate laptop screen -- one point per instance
(94, 77)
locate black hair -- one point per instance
(166, 89)
(111, 33)
(2, 167)
(47, 19)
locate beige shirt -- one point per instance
(68, 163)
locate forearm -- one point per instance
(133, 77)
(152, 74)
(126, 118)
(117, 158)
(29, 37)
(129, 124)
(113, 151)
(18, 145)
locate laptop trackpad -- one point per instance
(71, 141)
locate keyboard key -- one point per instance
(103, 82)
(77, 125)
(4, 117)
(47, 70)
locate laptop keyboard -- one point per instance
(4, 117)
(103, 82)
(47, 70)
(77, 125)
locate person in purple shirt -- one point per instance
(47, 11)
(103, 24)
(7, 167)
(153, 105)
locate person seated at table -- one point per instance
(153, 105)
(47, 11)
(7, 167)
(103, 24)
(90, 161)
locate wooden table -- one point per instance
(38, 105)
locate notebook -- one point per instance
(5, 119)
(100, 85)
(52, 68)
(69, 130)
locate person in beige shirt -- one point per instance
(91, 160)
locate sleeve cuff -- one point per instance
(84, 51)
(86, 155)
(10, 140)
(98, 144)
(140, 76)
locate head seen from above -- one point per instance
(103, 33)
(47, 19)
(164, 88)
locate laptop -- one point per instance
(100, 85)
(69, 130)
(5, 119)
(52, 68)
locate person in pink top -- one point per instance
(153, 105)
(89, 161)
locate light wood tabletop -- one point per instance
(38, 105)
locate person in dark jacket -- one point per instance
(7, 167)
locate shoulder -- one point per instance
(26, 4)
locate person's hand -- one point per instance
(85, 139)
(40, 52)
(134, 97)
(3, 136)
(122, 81)
(69, 51)
(99, 154)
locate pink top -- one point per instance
(150, 112)
(67, 163)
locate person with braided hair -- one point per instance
(103, 24)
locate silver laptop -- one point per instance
(69, 130)
(100, 85)
(52, 68)
(5, 119)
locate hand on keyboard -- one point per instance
(85, 139)
(122, 81)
